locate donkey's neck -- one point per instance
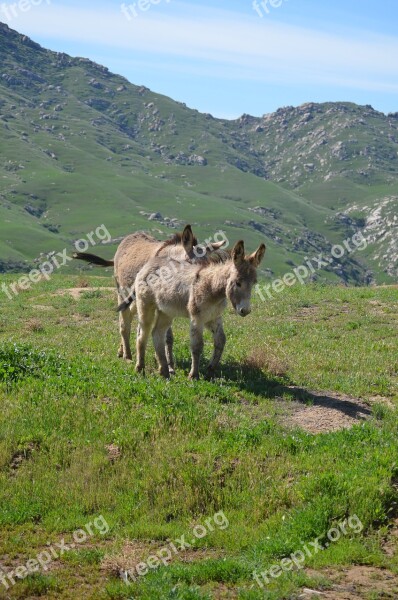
(215, 278)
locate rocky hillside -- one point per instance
(80, 146)
(319, 142)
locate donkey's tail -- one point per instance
(93, 259)
(125, 305)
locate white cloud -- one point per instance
(225, 44)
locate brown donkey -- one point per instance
(164, 290)
(132, 254)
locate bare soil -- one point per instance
(328, 413)
(355, 583)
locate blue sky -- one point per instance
(226, 57)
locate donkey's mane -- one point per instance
(174, 240)
(144, 235)
(214, 258)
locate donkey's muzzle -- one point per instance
(243, 312)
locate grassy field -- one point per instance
(295, 439)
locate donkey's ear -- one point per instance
(258, 255)
(238, 252)
(187, 239)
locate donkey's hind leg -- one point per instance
(219, 339)
(125, 318)
(159, 335)
(169, 349)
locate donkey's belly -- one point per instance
(174, 310)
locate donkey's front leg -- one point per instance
(169, 349)
(196, 348)
(159, 333)
(219, 339)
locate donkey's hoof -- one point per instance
(165, 373)
(139, 368)
(172, 371)
(193, 376)
(210, 373)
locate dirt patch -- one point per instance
(132, 553)
(326, 412)
(358, 582)
(221, 591)
(315, 312)
(74, 320)
(78, 291)
(390, 545)
(306, 312)
(136, 551)
(113, 451)
(355, 583)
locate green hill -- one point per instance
(81, 147)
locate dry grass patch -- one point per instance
(34, 325)
(83, 282)
(259, 358)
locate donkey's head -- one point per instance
(243, 276)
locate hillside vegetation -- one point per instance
(81, 147)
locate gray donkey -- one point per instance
(165, 289)
(132, 254)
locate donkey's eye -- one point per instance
(238, 284)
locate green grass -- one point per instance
(187, 450)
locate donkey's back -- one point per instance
(132, 254)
